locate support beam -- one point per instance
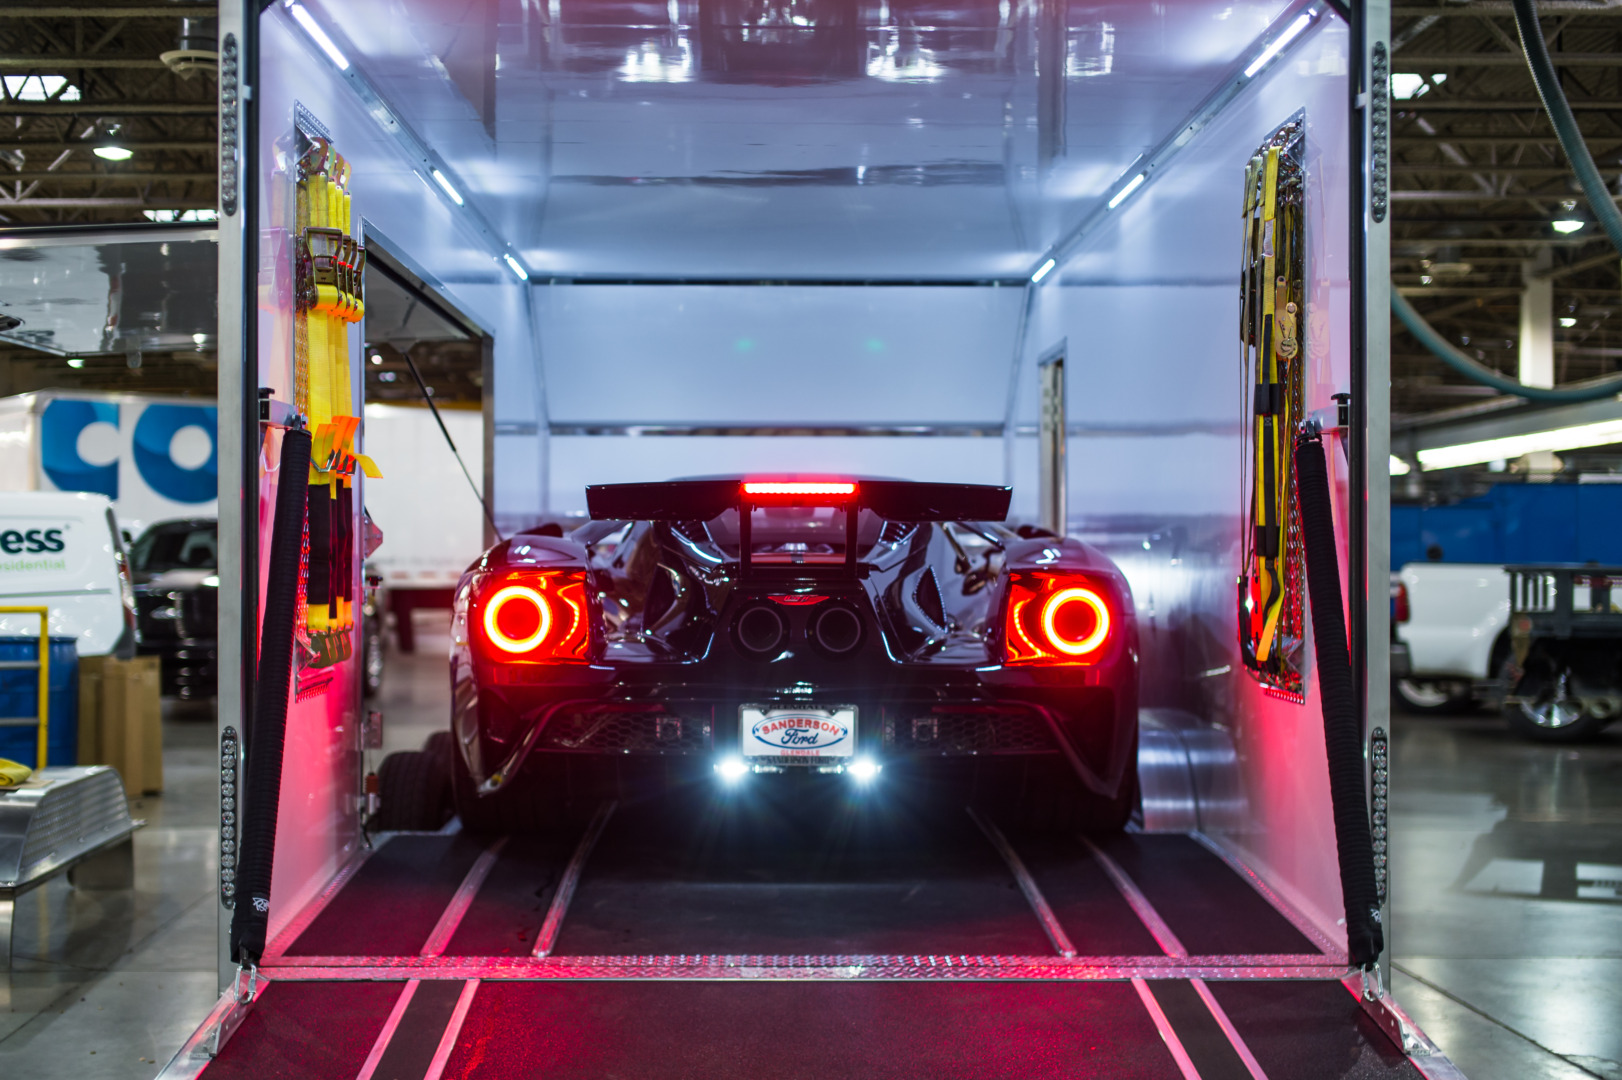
(164, 177)
(56, 146)
(198, 203)
(1598, 8)
(176, 10)
(1503, 59)
(1537, 322)
(1484, 142)
(1491, 170)
(1427, 104)
(48, 62)
(108, 108)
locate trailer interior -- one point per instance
(1010, 242)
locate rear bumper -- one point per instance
(1092, 726)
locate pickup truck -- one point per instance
(1453, 620)
(1551, 660)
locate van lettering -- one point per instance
(11, 541)
(53, 540)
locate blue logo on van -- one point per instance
(59, 428)
(154, 432)
(65, 419)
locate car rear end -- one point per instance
(753, 628)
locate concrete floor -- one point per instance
(1507, 877)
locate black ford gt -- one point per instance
(740, 631)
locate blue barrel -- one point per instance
(19, 697)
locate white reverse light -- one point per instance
(1290, 34)
(1043, 271)
(1568, 225)
(863, 770)
(318, 35)
(1400, 467)
(447, 187)
(515, 266)
(1513, 446)
(731, 769)
(1131, 186)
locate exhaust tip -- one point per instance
(836, 630)
(759, 630)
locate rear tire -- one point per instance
(1553, 715)
(536, 800)
(414, 790)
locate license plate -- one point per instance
(804, 733)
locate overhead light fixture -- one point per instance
(1043, 271)
(1290, 34)
(1567, 225)
(1131, 186)
(447, 187)
(76, 363)
(1400, 467)
(1513, 446)
(318, 35)
(1567, 321)
(515, 266)
(113, 153)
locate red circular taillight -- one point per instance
(1075, 621)
(517, 619)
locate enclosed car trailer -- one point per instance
(1119, 257)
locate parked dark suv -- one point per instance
(177, 586)
(175, 565)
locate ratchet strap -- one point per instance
(331, 264)
(1271, 332)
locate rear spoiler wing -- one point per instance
(703, 499)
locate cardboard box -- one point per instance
(121, 721)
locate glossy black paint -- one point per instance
(668, 673)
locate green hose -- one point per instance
(1466, 366)
(1599, 197)
(1565, 124)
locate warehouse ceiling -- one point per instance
(1479, 181)
(1477, 175)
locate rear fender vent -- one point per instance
(626, 730)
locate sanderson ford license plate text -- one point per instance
(807, 733)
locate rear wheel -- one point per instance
(1548, 712)
(547, 794)
(414, 793)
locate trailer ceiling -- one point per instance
(1477, 173)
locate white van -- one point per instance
(62, 550)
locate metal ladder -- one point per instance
(43, 665)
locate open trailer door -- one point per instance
(1103, 166)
